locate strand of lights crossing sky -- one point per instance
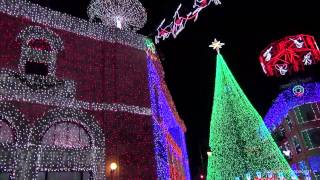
(240, 143)
(179, 21)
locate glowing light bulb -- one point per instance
(119, 22)
(113, 166)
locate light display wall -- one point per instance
(101, 93)
(107, 84)
(170, 148)
(55, 19)
(289, 99)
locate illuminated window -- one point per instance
(6, 135)
(312, 138)
(306, 113)
(66, 135)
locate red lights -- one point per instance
(289, 55)
(40, 44)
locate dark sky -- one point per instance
(246, 27)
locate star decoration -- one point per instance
(216, 45)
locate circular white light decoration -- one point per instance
(123, 14)
(113, 166)
(298, 90)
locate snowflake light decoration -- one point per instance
(123, 14)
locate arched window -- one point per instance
(66, 135)
(6, 134)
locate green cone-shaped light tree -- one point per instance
(239, 140)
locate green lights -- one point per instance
(239, 140)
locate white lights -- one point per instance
(113, 166)
(30, 154)
(209, 153)
(38, 14)
(123, 14)
(287, 153)
(282, 68)
(307, 59)
(267, 55)
(119, 22)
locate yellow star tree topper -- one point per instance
(216, 45)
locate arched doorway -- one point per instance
(67, 138)
(13, 139)
(70, 146)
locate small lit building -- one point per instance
(294, 120)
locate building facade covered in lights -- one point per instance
(294, 120)
(294, 117)
(76, 97)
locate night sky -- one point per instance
(246, 27)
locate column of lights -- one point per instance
(55, 19)
(240, 143)
(161, 126)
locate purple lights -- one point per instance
(166, 125)
(287, 100)
(314, 162)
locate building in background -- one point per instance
(294, 120)
(79, 100)
(294, 117)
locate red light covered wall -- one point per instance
(103, 72)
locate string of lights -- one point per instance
(179, 22)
